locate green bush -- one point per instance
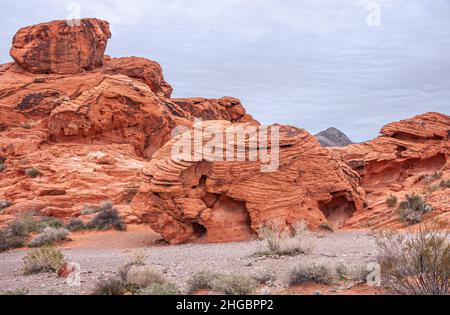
(32, 172)
(392, 201)
(106, 219)
(75, 225)
(49, 237)
(317, 273)
(41, 260)
(412, 209)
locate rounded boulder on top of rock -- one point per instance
(57, 47)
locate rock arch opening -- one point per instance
(338, 210)
(229, 220)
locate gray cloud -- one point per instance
(312, 64)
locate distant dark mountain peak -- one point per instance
(333, 137)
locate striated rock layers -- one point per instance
(397, 162)
(187, 198)
(86, 121)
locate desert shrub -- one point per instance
(234, 284)
(16, 292)
(278, 243)
(41, 260)
(141, 277)
(166, 288)
(9, 240)
(132, 279)
(230, 284)
(303, 274)
(392, 201)
(107, 218)
(431, 178)
(327, 227)
(32, 172)
(90, 209)
(445, 184)
(51, 222)
(137, 257)
(431, 189)
(75, 225)
(265, 277)
(26, 125)
(416, 263)
(49, 237)
(111, 286)
(412, 209)
(2, 167)
(342, 271)
(4, 204)
(201, 280)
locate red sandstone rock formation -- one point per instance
(57, 47)
(396, 162)
(91, 123)
(218, 201)
(87, 125)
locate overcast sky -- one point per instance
(307, 63)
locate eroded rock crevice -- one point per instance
(338, 210)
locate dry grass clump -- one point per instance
(282, 243)
(416, 263)
(301, 274)
(41, 260)
(229, 284)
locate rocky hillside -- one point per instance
(78, 127)
(333, 137)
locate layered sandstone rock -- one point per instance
(57, 47)
(188, 197)
(86, 123)
(396, 163)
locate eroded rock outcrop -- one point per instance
(57, 47)
(189, 197)
(397, 162)
(86, 121)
